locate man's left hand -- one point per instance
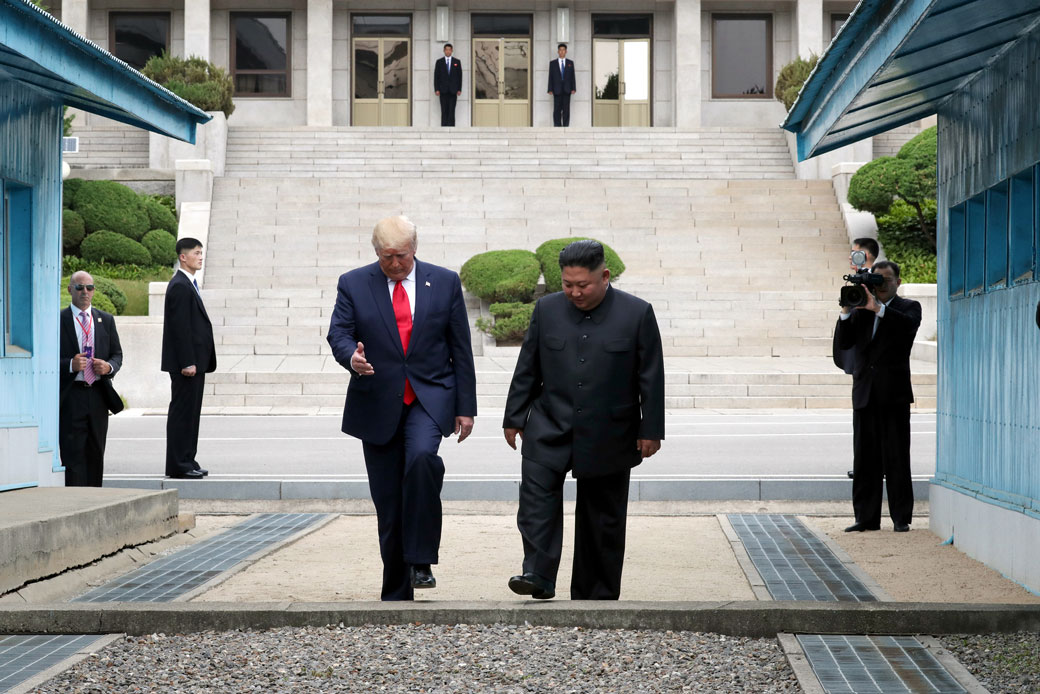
(872, 303)
(101, 367)
(463, 427)
(647, 447)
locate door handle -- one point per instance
(622, 88)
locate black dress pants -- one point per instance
(600, 519)
(562, 110)
(182, 422)
(82, 431)
(881, 449)
(448, 100)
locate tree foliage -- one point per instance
(791, 78)
(501, 276)
(196, 80)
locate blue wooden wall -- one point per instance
(30, 155)
(988, 410)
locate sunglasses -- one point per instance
(81, 287)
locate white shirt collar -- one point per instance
(409, 278)
(190, 276)
(76, 311)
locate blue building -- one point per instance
(975, 63)
(44, 65)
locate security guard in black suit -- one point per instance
(587, 396)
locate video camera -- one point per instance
(854, 293)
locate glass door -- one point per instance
(501, 82)
(621, 83)
(382, 74)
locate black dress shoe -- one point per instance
(189, 475)
(199, 468)
(860, 527)
(422, 576)
(902, 527)
(533, 585)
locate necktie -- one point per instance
(562, 68)
(88, 347)
(403, 314)
(196, 283)
(447, 62)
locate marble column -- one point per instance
(74, 14)
(688, 58)
(196, 28)
(319, 62)
(810, 27)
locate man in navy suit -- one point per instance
(561, 86)
(89, 356)
(400, 327)
(447, 84)
(188, 354)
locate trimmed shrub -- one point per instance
(116, 271)
(791, 78)
(549, 258)
(899, 232)
(114, 248)
(111, 206)
(69, 188)
(501, 276)
(161, 245)
(159, 217)
(99, 301)
(166, 201)
(103, 285)
(511, 321)
(197, 81)
(72, 231)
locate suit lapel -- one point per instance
(381, 299)
(422, 299)
(68, 332)
(100, 335)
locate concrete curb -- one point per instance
(752, 619)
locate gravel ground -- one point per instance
(432, 659)
(1002, 663)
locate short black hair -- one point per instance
(448, 45)
(561, 45)
(881, 265)
(187, 244)
(586, 253)
(869, 245)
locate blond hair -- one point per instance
(393, 232)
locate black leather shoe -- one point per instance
(860, 527)
(189, 475)
(204, 471)
(533, 585)
(902, 527)
(422, 577)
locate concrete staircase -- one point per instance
(743, 273)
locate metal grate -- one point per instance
(876, 665)
(166, 579)
(22, 657)
(794, 563)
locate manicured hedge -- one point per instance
(159, 217)
(162, 245)
(549, 258)
(98, 301)
(72, 231)
(111, 206)
(511, 321)
(197, 81)
(114, 248)
(69, 187)
(501, 276)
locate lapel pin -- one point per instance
(427, 284)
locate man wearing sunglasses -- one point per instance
(89, 356)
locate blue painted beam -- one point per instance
(843, 137)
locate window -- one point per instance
(260, 54)
(997, 235)
(501, 25)
(955, 244)
(637, 25)
(1020, 227)
(384, 25)
(137, 36)
(741, 56)
(837, 20)
(16, 297)
(975, 244)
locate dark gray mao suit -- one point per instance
(587, 385)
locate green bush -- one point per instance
(161, 245)
(103, 285)
(791, 78)
(900, 237)
(72, 231)
(498, 276)
(111, 206)
(197, 81)
(511, 321)
(166, 201)
(69, 187)
(116, 271)
(98, 301)
(115, 248)
(549, 258)
(159, 217)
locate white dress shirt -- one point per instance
(409, 288)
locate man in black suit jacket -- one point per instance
(561, 86)
(882, 334)
(89, 355)
(188, 354)
(400, 327)
(587, 396)
(447, 84)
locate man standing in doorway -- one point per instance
(89, 356)
(447, 84)
(188, 354)
(587, 396)
(561, 86)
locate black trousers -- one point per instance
(405, 477)
(562, 110)
(448, 100)
(881, 448)
(182, 422)
(82, 431)
(600, 519)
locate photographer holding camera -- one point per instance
(879, 327)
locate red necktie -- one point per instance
(403, 314)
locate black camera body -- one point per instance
(854, 294)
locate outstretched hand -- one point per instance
(358, 362)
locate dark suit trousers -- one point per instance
(182, 422)
(82, 433)
(600, 518)
(448, 100)
(881, 447)
(562, 109)
(405, 477)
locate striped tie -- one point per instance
(88, 347)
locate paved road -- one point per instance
(699, 445)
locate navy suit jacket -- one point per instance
(561, 84)
(106, 347)
(187, 331)
(443, 81)
(439, 362)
